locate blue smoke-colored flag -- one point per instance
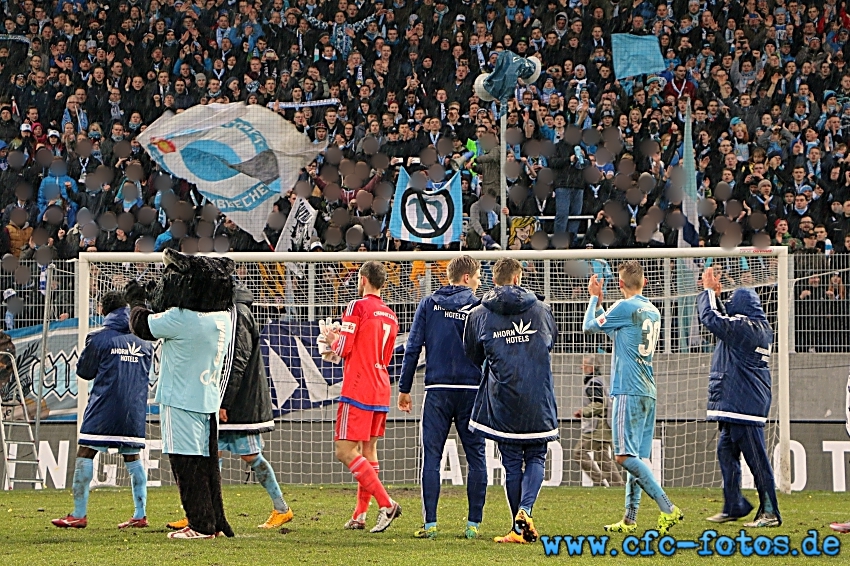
(240, 157)
(428, 216)
(688, 235)
(502, 82)
(636, 55)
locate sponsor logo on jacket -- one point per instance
(461, 313)
(519, 333)
(130, 354)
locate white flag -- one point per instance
(240, 157)
(298, 229)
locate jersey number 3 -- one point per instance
(650, 332)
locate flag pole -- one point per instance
(503, 142)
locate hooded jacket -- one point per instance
(739, 383)
(118, 364)
(512, 332)
(438, 326)
(247, 398)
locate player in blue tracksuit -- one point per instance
(739, 397)
(117, 363)
(634, 325)
(512, 332)
(451, 382)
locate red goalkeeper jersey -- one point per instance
(366, 343)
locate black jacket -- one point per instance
(247, 398)
(567, 169)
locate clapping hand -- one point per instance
(710, 281)
(594, 287)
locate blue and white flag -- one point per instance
(636, 55)
(428, 216)
(240, 157)
(689, 235)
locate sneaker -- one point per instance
(134, 523)
(722, 518)
(277, 519)
(621, 527)
(189, 534)
(430, 533)
(668, 520)
(840, 527)
(511, 537)
(70, 522)
(386, 516)
(763, 521)
(471, 532)
(355, 525)
(178, 525)
(526, 526)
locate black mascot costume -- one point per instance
(192, 313)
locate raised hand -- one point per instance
(594, 287)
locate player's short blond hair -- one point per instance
(631, 273)
(460, 266)
(505, 270)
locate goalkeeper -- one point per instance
(739, 397)
(451, 381)
(634, 324)
(513, 333)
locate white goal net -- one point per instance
(292, 291)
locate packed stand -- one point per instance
(592, 160)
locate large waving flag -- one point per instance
(430, 216)
(636, 55)
(240, 157)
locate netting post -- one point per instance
(45, 336)
(547, 278)
(792, 315)
(784, 298)
(427, 279)
(311, 291)
(83, 277)
(503, 177)
(668, 308)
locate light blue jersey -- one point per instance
(195, 347)
(634, 324)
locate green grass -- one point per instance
(316, 536)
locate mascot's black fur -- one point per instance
(201, 284)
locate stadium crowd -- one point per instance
(592, 160)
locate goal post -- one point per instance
(293, 290)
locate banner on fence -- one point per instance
(298, 376)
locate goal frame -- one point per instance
(783, 281)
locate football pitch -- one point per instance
(316, 536)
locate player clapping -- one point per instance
(634, 324)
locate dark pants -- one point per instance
(441, 408)
(524, 467)
(199, 483)
(568, 202)
(734, 440)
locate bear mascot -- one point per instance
(192, 313)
